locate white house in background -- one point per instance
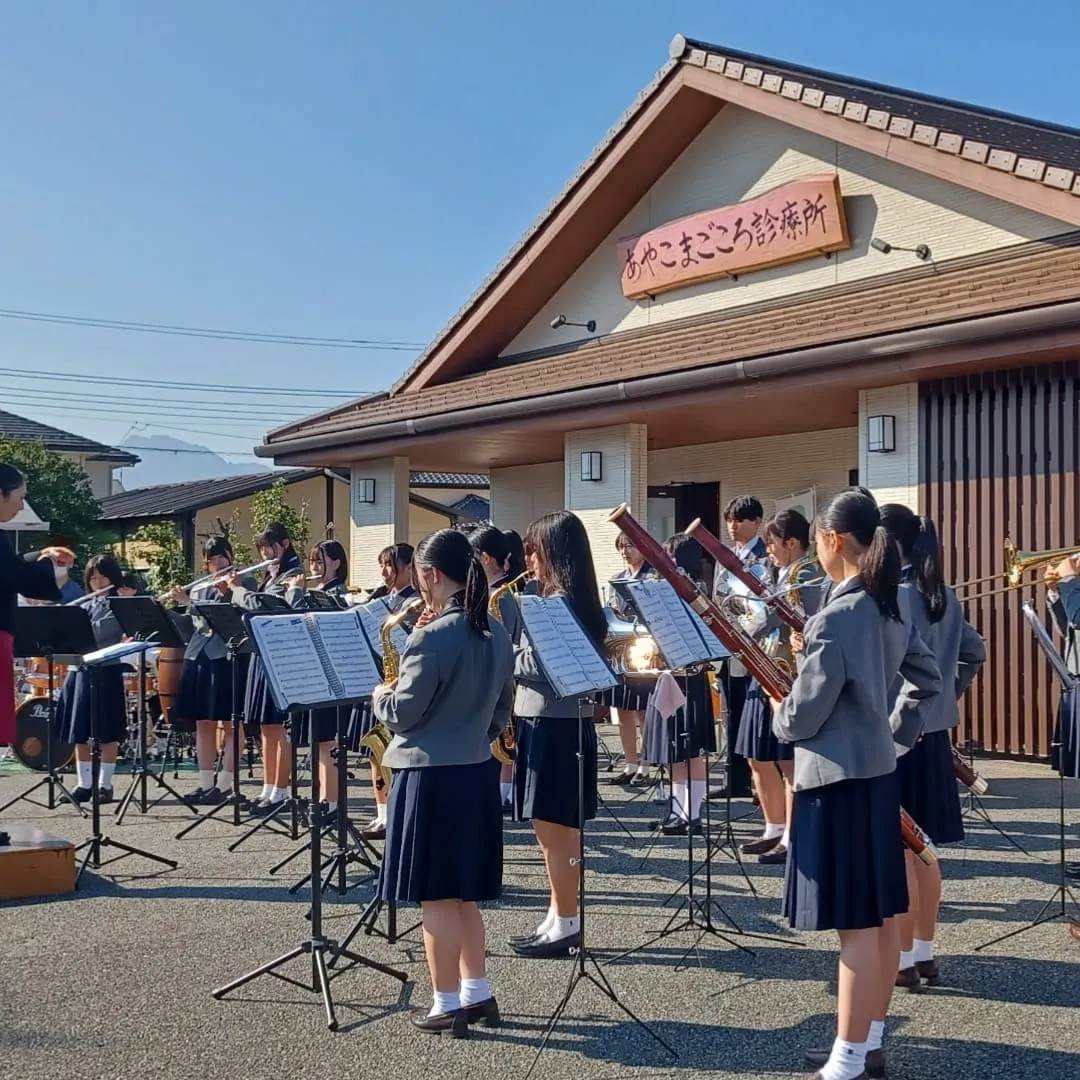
(99, 461)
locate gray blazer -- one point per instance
(1064, 605)
(202, 640)
(452, 696)
(838, 711)
(510, 614)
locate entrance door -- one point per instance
(676, 505)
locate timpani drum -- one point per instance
(170, 667)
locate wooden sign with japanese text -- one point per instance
(792, 222)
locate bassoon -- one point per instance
(796, 619)
(769, 675)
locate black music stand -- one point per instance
(142, 618)
(976, 808)
(318, 946)
(57, 633)
(227, 623)
(1063, 890)
(96, 841)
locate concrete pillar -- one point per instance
(376, 525)
(893, 476)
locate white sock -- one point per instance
(643, 769)
(923, 951)
(380, 812)
(506, 790)
(907, 959)
(86, 774)
(697, 797)
(785, 840)
(680, 799)
(473, 991)
(278, 794)
(206, 779)
(772, 831)
(845, 1062)
(876, 1036)
(563, 928)
(225, 780)
(107, 770)
(266, 789)
(547, 922)
(445, 1003)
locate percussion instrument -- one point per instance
(36, 677)
(170, 667)
(131, 683)
(32, 735)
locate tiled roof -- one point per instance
(167, 500)
(474, 506)
(19, 427)
(448, 480)
(454, 513)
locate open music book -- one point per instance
(372, 615)
(676, 627)
(567, 655)
(315, 657)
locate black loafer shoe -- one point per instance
(929, 970)
(105, 795)
(483, 1012)
(548, 950)
(909, 979)
(196, 796)
(875, 1061)
(454, 1022)
(213, 797)
(760, 846)
(776, 857)
(81, 795)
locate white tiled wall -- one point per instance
(381, 523)
(525, 492)
(892, 477)
(740, 155)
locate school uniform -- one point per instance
(259, 708)
(325, 720)
(845, 867)
(206, 682)
(1064, 604)
(548, 732)
(92, 703)
(632, 692)
(509, 611)
(444, 817)
(928, 789)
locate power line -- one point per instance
(305, 340)
(218, 388)
(133, 409)
(113, 413)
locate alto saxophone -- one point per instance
(504, 748)
(378, 737)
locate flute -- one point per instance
(88, 597)
(215, 578)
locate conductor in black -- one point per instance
(444, 842)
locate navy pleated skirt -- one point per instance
(1066, 754)
(546, 770)
(928, 789)
(259, 707)
(325, 726)
(756, 739)
(444, 837)
(205, 691)
(845, 867)
(630, 695)
(688, 734)
(105, 686)
(361, 721)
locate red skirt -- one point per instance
(7, 689)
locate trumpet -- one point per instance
(215, 578)
(504, 748)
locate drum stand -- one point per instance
(52, 779)
(323, 952)
(141, 771)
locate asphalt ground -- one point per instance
(115, 980)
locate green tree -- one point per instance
(60, 493)
(273, 505)
(164, 553)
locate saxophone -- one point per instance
(504, 748)
(378, 738)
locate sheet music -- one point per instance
(348, 651)
(565, 652)
(113, 652)
(665, 616)
(369, 620)
(291, 660)
(714, 647)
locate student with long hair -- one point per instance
(515, 554)
(546, 766)
(928, 789)
(444, 826)
(845, 868)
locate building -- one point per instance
(774, 280)
(199, 508)
(97, 460)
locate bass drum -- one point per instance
(33, 734)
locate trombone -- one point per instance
(1017, 564)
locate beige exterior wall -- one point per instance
(423, 522)
(381, 523)
(99, 472)
(523, 493)
(741, 155)
(624, 479)
(892, 477)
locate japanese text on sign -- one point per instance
(792, 222)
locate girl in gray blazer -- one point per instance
(546, 765)
(444, 843)
(928, 788)
(845, 868)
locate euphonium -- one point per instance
(504, 748)
(378, 738)
(629, 650)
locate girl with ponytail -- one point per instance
(928, 789)
(846, 863)
(452, 697)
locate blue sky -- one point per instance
(349, 169)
